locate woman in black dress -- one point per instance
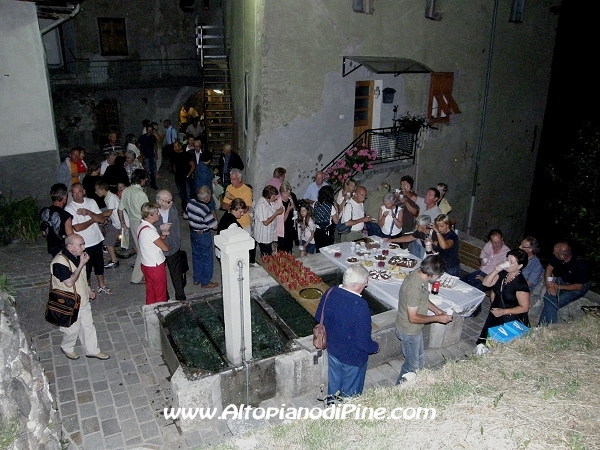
(289, 202)
(510, 293)
(230, 219)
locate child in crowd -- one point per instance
(307, 230)
(218, 189)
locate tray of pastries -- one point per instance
(400, 261)
(382, 275)
(447, 281)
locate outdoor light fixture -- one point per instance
(516, 11)
(217, 91)
(377, 92)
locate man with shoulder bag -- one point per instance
(66, 268)
(347, 319)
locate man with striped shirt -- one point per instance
(202, 221)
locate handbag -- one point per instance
(62, 308)
(319, 331)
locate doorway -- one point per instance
(363, 107)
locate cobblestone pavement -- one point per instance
(118, 404)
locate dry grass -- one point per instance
(536, 393)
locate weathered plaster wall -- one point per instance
(25, 104)
(244, 32)
(302, 93)
(155, 29)
(135, 105)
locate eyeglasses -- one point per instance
(167, 201)
(522, 246)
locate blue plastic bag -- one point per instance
(508, 331)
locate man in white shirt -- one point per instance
(86, 217)
(354, 215)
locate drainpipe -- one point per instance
(244, 360)
(55, 24)
(483, 115)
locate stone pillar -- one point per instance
(234, 245)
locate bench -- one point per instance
(469, 251)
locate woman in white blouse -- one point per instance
(265, 226)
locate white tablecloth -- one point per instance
(461, 299)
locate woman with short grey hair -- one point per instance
(422, 233)
(390, 218)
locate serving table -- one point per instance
(385, 282)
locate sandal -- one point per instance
(105, 290)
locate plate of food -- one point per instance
(448, 281)
(352, 259)
(380, 275)
(367, 263)
(399, 275)
(401, 261)
(380, 257)
(311, 293)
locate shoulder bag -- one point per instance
(62, 308)
(341, 227)
(319, 332)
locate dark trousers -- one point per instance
(170, 155)
(175, 265)
(183, 189)
(323, 238)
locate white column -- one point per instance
(234, 245)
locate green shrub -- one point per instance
(19, 219)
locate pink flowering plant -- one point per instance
(354, 160)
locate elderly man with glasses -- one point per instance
(175, 257)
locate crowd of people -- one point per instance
(94, 204)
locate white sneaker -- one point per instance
(481, 350)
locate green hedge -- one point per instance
(19, 219)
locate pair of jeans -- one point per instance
(472, 280)
(202, 257)
(417, 249)
(413, 351)
(552, 303)
(151, 167)
(343, 378)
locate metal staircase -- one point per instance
(218, 106)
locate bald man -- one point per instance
(312, 191)
(567, 279)
(66, 268)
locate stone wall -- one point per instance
(24, 390)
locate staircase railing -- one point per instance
(391, 145)
(210, 42)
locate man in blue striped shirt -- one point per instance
(202, 221)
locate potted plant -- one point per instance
(354, 160)
(411, 123)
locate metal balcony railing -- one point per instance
(129, 73)
(391, 144)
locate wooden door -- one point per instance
(363, 107)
